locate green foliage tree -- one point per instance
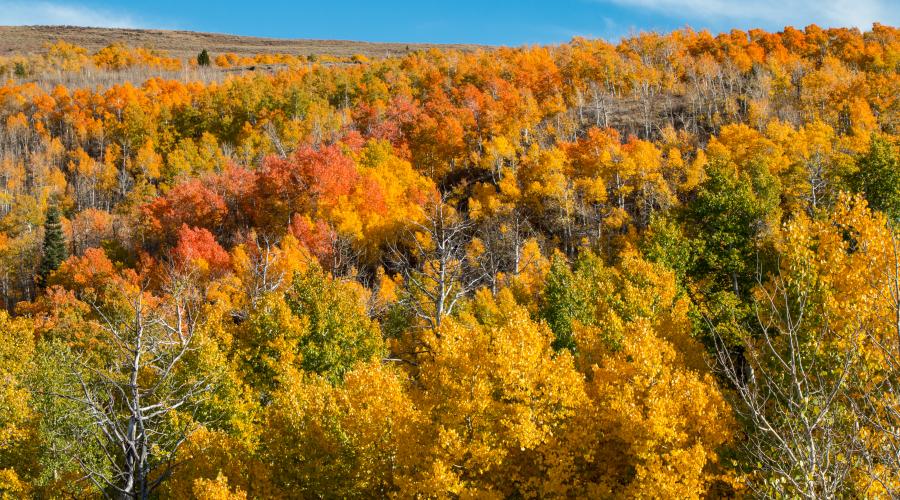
(564, 303)
(318, 324)
(728, 219)
(20, 70)
(337, 333)
(878, 177)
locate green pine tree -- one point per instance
(203, 58)
(54, 250)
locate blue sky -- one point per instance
(506, 22)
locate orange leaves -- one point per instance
(191, 203)
(594, 154)
(77, 287)
(438, 136)
(536, 70)
(90, 228)
(227, 60)
(114, 57)
(318, 237)
(92, 270)
(118, 56)
(197, 249)
(308, 180)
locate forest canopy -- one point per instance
(663, 267)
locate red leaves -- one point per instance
(327, 172)
(238, 198)
(238, 188)
(316, 236)
(387, 122)
(358, 197)
(299, 184)
(191, 203)
(198, 249)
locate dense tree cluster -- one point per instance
(666, 267)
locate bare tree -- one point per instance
(791, 388)
(264, 275)
(436, 273)
(817, 180)
(344, 257)
(502, 237)
(878, 403)
(136, 399)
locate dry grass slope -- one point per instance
(186, 44)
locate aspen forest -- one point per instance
(661, 267)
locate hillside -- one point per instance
(662, 268)
(32, 39)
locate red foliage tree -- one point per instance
(197, 249)
(191, 203)
(318, 237)
(299, 184)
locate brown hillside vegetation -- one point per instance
(32, 39)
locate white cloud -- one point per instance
(774, 13)
(14, 13)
